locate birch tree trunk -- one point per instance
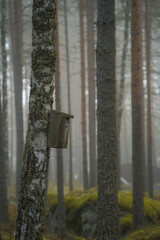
(31, 207)
(107, 198)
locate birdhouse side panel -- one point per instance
(55, 128)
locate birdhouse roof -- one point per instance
(62, 114)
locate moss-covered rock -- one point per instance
(80, 210)
(151, 209)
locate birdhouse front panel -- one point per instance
(58, 129)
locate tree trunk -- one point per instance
(60, 180)
(31, 207)
(91, 85)
(3, 121)
(149, 114)
(83, 97)
(69, 100)
(137, 113)
(122, 82)
(15, 13)
(107, 198)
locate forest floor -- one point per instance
(77, 202)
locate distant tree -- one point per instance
(91, 86)
(3, 121)
(60, 180)
(137, 113)
(31, 207)
(148, 8)
(15, 17)
(83, 95)
(122, 79)
(68, 95)
(107, 190)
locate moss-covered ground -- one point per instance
(77, 201)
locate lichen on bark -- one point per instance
(29, 224)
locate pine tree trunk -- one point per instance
(83, 97)
(3, 121)
(137, 114)
(149, 114)
(31, 207)
(60, 169)
(69, 100)
(122, 82)
(15, 13)
(107, 198)
(91, 85)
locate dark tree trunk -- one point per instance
(31, 207)
(83, 97)
(60, 180)
(69, 100)
(149, 114)
(15, 13)
(91, 85)
(3, 121)
(107, 198)
(137, 113)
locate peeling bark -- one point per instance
(31, 207)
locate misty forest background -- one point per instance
(75, 92)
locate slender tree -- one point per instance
(123, 66)
(83, 96)
(69, 100)
(148, 8)
(3, 121)
(107, 198)
(122, 81)
(31, 207)
(137, 113)
(60, 180)
(15, 16)
(91, 85)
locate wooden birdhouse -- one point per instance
(58, 129)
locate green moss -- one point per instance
(77, 201)
(126, 223)
(149, 233)
(151, 209)
(125, 201)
